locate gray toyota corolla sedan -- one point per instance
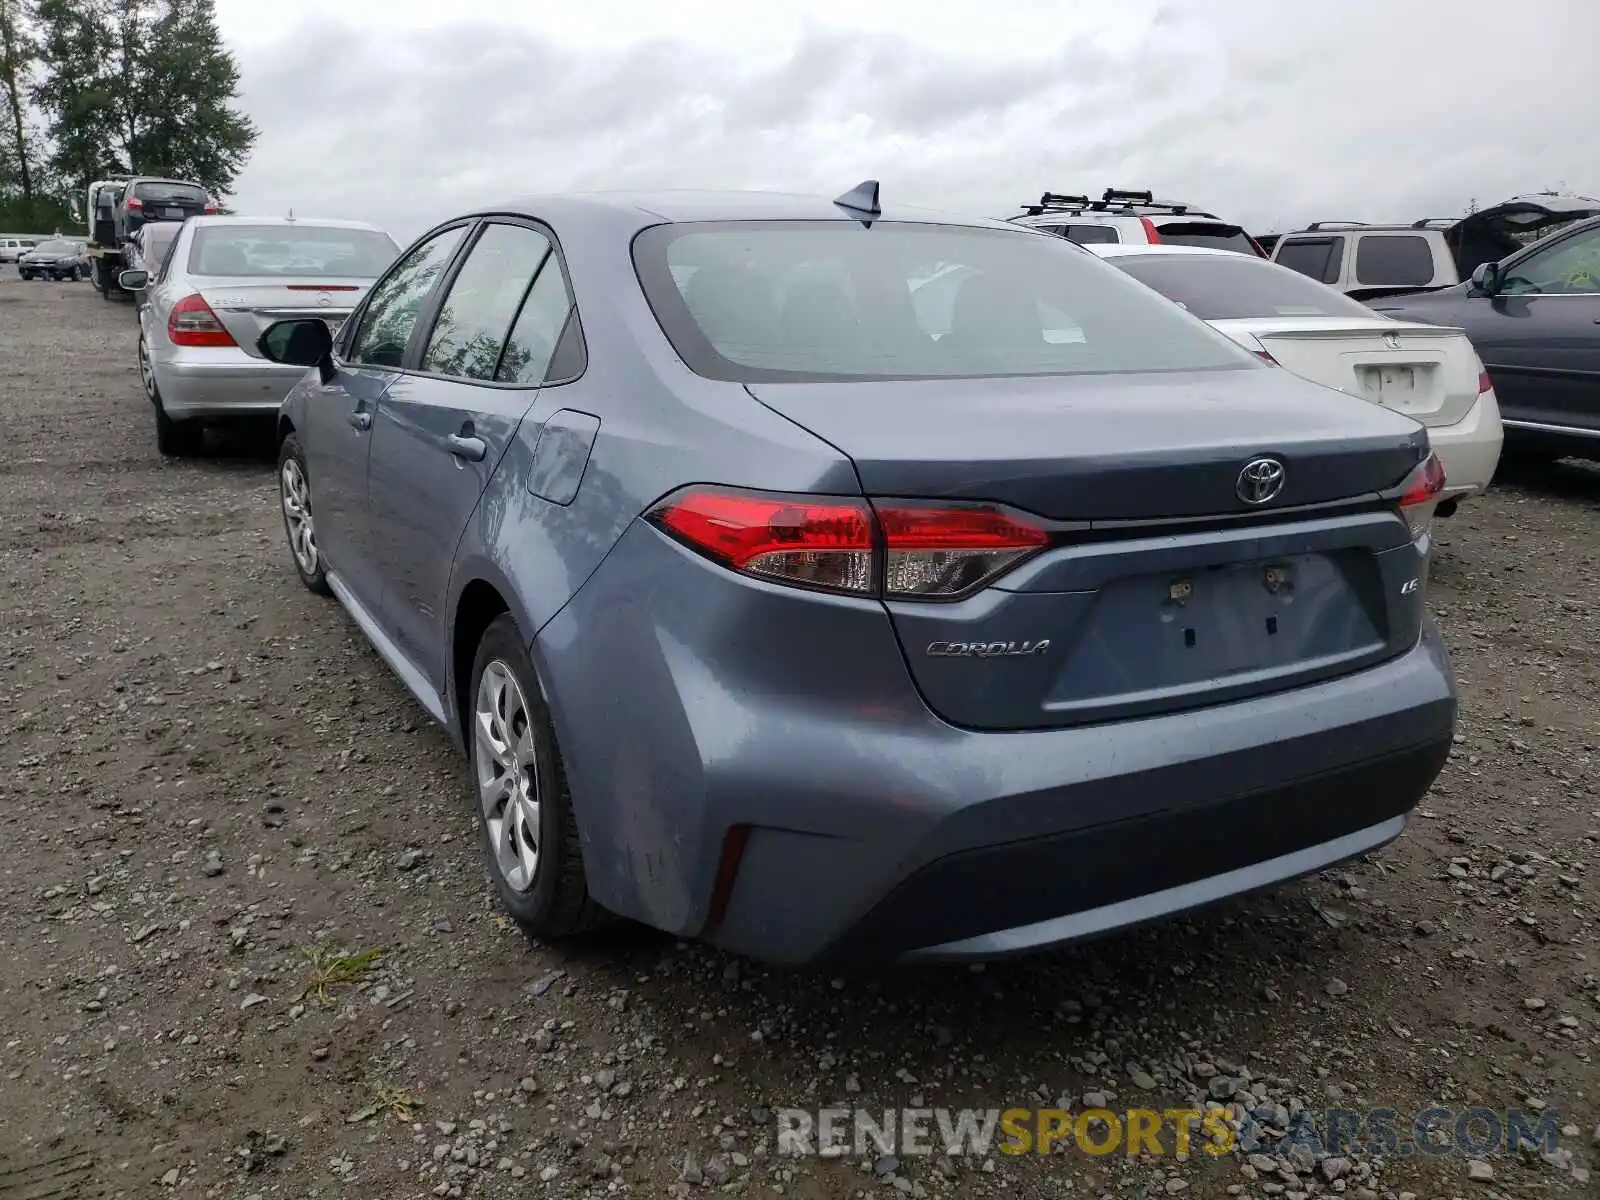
(781, 603)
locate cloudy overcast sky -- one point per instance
(1270, 112)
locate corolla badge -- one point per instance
(987, 649)
(1260, 480)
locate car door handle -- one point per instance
(470, 448)
(361, 420)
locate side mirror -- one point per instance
(1486, 278)
(133, 281)
(302, 342)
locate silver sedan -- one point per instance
(225, 281)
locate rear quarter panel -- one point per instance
(660, 427)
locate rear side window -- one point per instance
(483, 300)
(832, 300)
(1315, 258)
(1385, 259)
(538, 329)
(1222, 287)
(1092, 235)
(1206, 233)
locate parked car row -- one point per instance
(1017, 584)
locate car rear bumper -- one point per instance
(1470, 448)
(782, 790)
(217, 382)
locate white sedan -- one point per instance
(1428, 372)
(225, 280)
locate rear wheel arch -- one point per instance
(285, 428)
(476, 608)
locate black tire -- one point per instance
(26, 274)
(175, 439)
(558, 904)
(315, 579)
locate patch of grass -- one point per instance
(331, 970)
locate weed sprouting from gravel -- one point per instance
(331, 970)
(388, 1101)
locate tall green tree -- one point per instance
(191, 82)
(18, 54)
(141, 87)
(75, 89)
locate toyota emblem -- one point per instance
(1260, 480)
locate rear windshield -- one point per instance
(832, 300)
(1207, 233)
(268, 250)
(171, 193)
(1221, 287)
(158, 236)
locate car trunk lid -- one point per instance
(246, 307)
(1427, 372)
(1161, 589)
(1087, 447)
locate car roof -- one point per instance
(640, 209)
(283, 222)
(1122, 250)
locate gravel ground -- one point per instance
(250, 951)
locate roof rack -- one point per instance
(1315, 225)
(1436, 223)
(1113, 200)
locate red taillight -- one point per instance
(1257, 247)
(813, 542)
(1150, 231)
(929, 550)
(1484, 382)
(134, 202)
(321, 287)
(941, 550)
(210, 209)
(192, 323)
(1420, 494)
(1265, 357)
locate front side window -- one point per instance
(1569, 268)
(1315, 258)
(1394, 260)
(396, 301)
(262, 251)
(1220, 287)
(476, 315)
(832, 300)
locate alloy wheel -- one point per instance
(147, 372)
(506, 762)
(296, 493)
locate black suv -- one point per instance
(147, 199)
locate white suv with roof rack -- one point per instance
(1369, 261)
(1129, 218)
